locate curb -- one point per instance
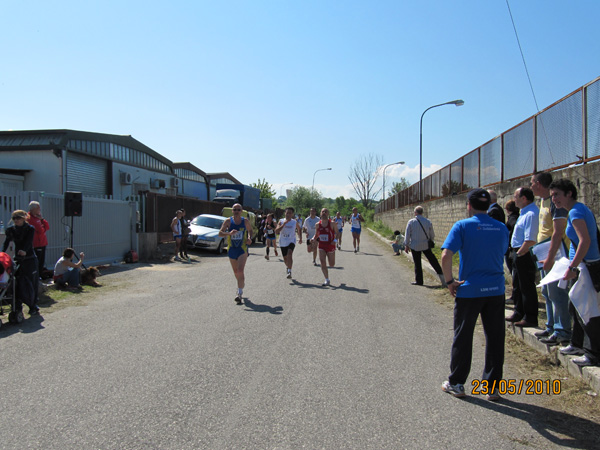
(590, 374)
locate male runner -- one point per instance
(309, 228)
(239, 236)
(287, 230)
(339, 220)
(355, 219)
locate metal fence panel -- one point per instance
(491, 162)
(593, 119)
(471, 170)
(445, 181)
(518, 151)
(456, 177)
(104, 232)
(559, 133)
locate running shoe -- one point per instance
(355, 250)
(238, 299)
(177, 258)
(584, 360)
(358, 248)
(267, 257)
(315, 263)
(457, 390)
(494, 396)
(570, 350)
(326, 283)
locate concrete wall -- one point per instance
(446, 211)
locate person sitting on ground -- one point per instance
(397, 243)
(66, 272)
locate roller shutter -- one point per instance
(86, 174)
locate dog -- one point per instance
(89, 275)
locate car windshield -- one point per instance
(209, 222)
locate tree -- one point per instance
(363, 176)
(399, 186)
(302, 199)
(266, 190)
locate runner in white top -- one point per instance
(309, 228)
(287, 230)
(355, 219)
(339, 220)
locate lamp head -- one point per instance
(458, 102)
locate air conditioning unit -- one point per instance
(175, 182)
(126, 178)
(158, 184)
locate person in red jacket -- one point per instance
(40, 241)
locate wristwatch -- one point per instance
(574, 269)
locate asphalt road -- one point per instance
(161, 357)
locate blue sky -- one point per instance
(280, 89)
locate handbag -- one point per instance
(430, 242)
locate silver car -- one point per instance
(204, 232)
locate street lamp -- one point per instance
(281, 188)
(392, 164)
(453, 102)
(319, 170)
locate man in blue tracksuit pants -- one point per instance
(481, 242)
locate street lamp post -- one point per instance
(318, 170)
(453, 102)
(391, 164)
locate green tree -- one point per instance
(399, 186)
(266, 191)
(302, 199)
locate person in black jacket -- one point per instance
(495, 211)
(21, 234)
(513, 215)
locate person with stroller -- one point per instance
(66, 272)
(21, 234)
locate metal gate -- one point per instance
(86, 175)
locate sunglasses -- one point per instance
(18, 218)
(237, 209)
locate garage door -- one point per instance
(86, 174)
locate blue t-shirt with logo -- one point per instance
(481, 243)
(580, 211)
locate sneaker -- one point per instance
(315, 263)
(542, 334)
(570, 350)
(584, 360)
(289, 273)
(553, 340)
(238, 299)
(189, 259)
(457, 390)
(177, 258)
(354, 250)
(494, 396)
(267, 257)
(326, 283)
(34, 311)
(358, 248)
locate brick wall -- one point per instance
(444, 212)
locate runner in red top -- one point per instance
(325, 235)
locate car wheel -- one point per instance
(220, 247)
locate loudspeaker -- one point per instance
(73, 204)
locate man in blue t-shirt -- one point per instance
(481, 242)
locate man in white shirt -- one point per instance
(309, 227)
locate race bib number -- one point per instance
(324, 238)
(238, 236)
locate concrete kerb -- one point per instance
(591, 375)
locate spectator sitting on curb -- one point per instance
(66, 272)
(398, 243)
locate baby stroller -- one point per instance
(8, 289)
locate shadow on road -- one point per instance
(560, 428)
(29, 325)
(350, 288)
(277, 310)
